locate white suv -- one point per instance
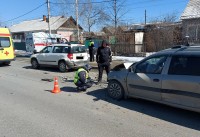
(63, 56)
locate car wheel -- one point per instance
(115, 90)
(62, 66)
(34, 63)
(7, 63)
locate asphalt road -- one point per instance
(29, 109)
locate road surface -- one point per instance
(29, 109)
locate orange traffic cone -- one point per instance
(56, 87)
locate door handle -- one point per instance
(156, 80)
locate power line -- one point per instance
(80, 2)
(155, 5)
(148, 1)
(25, 13)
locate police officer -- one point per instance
(82, 79)
(91, 50)
(103, 59)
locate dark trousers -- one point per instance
(91, 52)
(101, 67)
(84, 86)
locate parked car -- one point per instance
(63, 56)
(171, 77)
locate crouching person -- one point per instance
(82, 79)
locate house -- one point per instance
(59, 25)
(191, 22)
(109, 30)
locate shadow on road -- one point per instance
(68, 89)
(48, 69)
(177, 116)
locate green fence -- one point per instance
(97, 42)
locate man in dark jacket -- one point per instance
(82, 79)
(103, 59)
(91, 50)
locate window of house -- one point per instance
(192, 32)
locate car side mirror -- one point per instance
(132, 67)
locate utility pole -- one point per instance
(145, 22)
(48, 9)
(115, 14)
(77, 20)
(145, 17)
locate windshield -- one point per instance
(4, 42)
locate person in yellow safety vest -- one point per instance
(91, 50)
(82, 79)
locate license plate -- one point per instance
(79, 57)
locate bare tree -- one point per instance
(63, 7)
(91, 14)
(116, 11)
(163, 33)
(167, 18)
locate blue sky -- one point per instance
(11, 9)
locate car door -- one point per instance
(44, 57)
(181, 86)
(145, 81)
(57, 54)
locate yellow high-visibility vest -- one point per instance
(76, 77)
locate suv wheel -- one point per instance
(34, 63)
(115, 90)
(62, 66)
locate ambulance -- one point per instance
(38, 40)
(7, 53)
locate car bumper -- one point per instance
(6, 60)
(76, 64)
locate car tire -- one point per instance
(115, 90)
(34, 63)
(7, 63)
(62, 66)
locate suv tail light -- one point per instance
(70, 56)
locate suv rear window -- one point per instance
(78, 49)
(4, 42)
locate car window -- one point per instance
(66, 49)
(46, 49)
(4, 42)
(153, 65)
(78, 49)
(185, 65)
(58, 49)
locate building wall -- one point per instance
(65, 34)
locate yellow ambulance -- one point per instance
(6, 47)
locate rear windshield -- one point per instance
(78, 49)
(4, 42)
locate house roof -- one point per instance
(39, 24)
(110, 29)
(192, 10)
(124, 28)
